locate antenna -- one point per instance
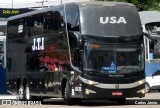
(42, 2)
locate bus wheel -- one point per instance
(67, 98)
(21, 92)
(77, 101)
(27, 93)
(122, 101)
(147, 88)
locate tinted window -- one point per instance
(16, 28)
(34, 25)
(75, 54)
(125, 57)
(45, 23)
(55, 56)
(156, 73)
(72, 16)
(53, 21)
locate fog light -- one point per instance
(87, 92)
(141, 91)
(140, 82)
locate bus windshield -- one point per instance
(105, 20)
(118, 58)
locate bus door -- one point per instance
(3, 65)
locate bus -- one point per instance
(75, 51)
(150, 21)
(3, 89)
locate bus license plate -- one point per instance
(117, 93)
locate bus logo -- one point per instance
(38, 44)
(20, 28)
(112, 20)
(117, 86)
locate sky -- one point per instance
(19, 1)
(22, 3)
(31, 3)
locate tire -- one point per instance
(66, 95)
(27, 93)
(122, 101)
(28, 97)
(147, 88)
(20, 92)
(77, 101)
(36, 98)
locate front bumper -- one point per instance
(93, 92)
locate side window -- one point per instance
(16, 28)
(47, 22)
(75, 55)
(29, 25)
(54, 56)
(72, 16)
(12, 29)
(53, 21)
(34, 25)
(156, 73)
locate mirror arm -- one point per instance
(151, 41)
(79, 39)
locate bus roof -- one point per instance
(103, 3)
(78, 4)
(149, 17)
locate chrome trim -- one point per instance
(87, 81)
(90, 91)
(121, 86)
(68, 41)
(113, 86)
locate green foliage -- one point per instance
(142, 5)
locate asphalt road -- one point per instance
(131, 103)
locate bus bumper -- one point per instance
(92, 92)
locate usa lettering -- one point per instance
(112, 20)
(38, 44)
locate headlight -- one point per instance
(141, 91)
(90, 82)
(89, 91)
(141, 82)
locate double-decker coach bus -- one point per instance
(86, 50)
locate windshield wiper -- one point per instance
(126, 66)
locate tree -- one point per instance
(142, 5)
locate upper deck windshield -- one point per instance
(110, 21)
(117, 58)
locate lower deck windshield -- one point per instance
(114, 58)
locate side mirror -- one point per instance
(151, 41)
(79, 38)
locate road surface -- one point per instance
(131, 103)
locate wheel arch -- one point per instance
(18, 83)
(63, 84)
